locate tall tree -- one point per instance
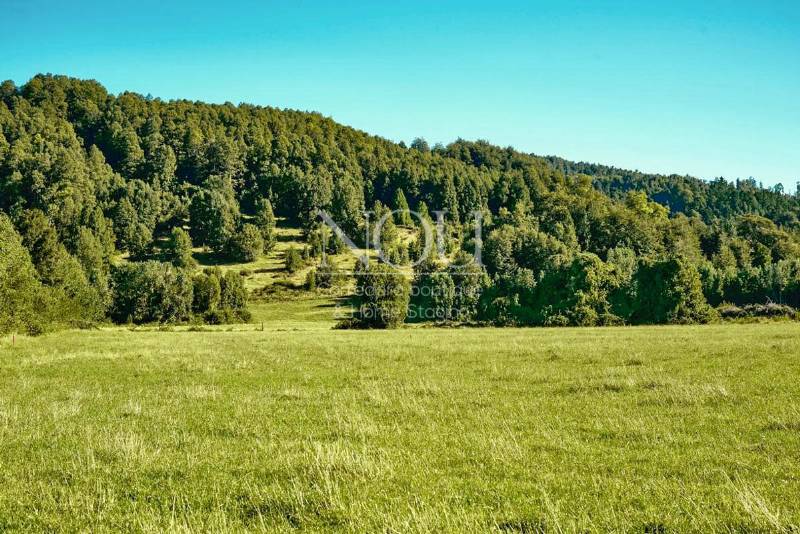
(402, 214)
(265, 222)
(19, 287)
(179, 249)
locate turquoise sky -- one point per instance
(705, 88)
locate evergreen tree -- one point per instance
(41, 239)
(669, 291)
(214, 214)
(247, 244)
(83, 171)
(311, 280)
(402, 214)
(265, 222)
(151, 292)
(384, 295)
(19, 287)
(292, 261)
(179, 249)
(233, 297)
(443, 295)
(207, 292)
(89, 252)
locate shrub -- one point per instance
(770, 310)
(336, 244)
(207, 292)
(220, 299)
(233, 296)
(575, 294)
(179, 249)
(151, 292)
(246, 245)
(469, 280)
(226, 316)
(72, 300)
(311, 280)
(292, 260)
(384, 296)
(328, 276)
(670, 291)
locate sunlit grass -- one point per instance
(302, 426)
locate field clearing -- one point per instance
(414, 430)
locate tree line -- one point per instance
(103, 197)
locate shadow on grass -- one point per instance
(344, 301)
(524, 526)
(287, 238)
(349, 300)
(212, 259)
(263, 270)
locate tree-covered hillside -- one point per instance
(102, 198)
(713, 201)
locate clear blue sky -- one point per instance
(706, 88)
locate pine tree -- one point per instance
(402, 214)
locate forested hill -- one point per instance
(92, 184)
(717, 199)
(305, 160)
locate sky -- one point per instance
(706, 88)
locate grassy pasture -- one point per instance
(417, 430)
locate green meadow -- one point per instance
(303, 427)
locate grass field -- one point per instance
(416, 430)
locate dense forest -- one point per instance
(103, 197)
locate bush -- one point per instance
(179, 249)
(575, 294)
(246, 245)
(233, 297)
(384, 295)
(207, 292)
(770, 310)
(292, 260)
(226, 316)
(670, 291)
(220, 299)
(336, 245)
(72, 299)
(443, 296)
(470, 281)
(328, 276)
(151, 292)
(311, 280)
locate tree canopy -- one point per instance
(88, 177)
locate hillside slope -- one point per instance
(88, 178)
